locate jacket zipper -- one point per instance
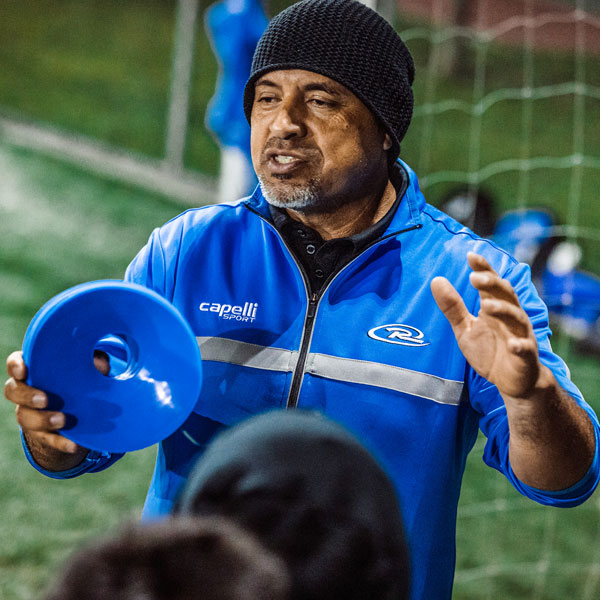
(309, 322)
(313, 305)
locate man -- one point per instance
(318, 292)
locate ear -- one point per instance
(387, 142)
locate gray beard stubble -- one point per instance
(298, 198)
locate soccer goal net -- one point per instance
(507, 114)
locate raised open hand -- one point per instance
(499, 342)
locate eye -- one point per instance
(266, 99)
(321, 103)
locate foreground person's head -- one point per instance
(176, 559)
(313, 495)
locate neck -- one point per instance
(349, 219)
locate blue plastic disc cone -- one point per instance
(155, 375)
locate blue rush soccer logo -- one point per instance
(398, 333)
(245, 313)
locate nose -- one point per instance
(288, 121)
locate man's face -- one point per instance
(315, 145)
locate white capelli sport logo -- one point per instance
(245, 313)
(397, 333)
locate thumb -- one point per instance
(449, 301)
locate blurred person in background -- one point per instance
(233, 27)
(177, 559)
(313, 495)
(336, 287)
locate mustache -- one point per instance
(280, 145)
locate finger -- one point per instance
(524, 347)
(15, 366)
(101, 362)
(479, 263)
(449, 301)
(490, 285)
(486, 280)
(53, 440)
(31, 419)
(25, 395)
(513, 317)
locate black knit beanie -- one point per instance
(350, 43)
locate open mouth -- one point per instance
(280, 163)
(284, 159)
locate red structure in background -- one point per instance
(483, 15)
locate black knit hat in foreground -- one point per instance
(350, 43)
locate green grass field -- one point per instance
(61, 227)
(102, 69)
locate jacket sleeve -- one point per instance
(94, 462)
(148, 268)
(157, 263)
(493, 422)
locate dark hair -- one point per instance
(176, 559)
(314, 496)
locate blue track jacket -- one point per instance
(373, 352)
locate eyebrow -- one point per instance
(309, 87)
(266, 82)
(322, 87)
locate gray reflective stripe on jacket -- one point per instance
(423, 385)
